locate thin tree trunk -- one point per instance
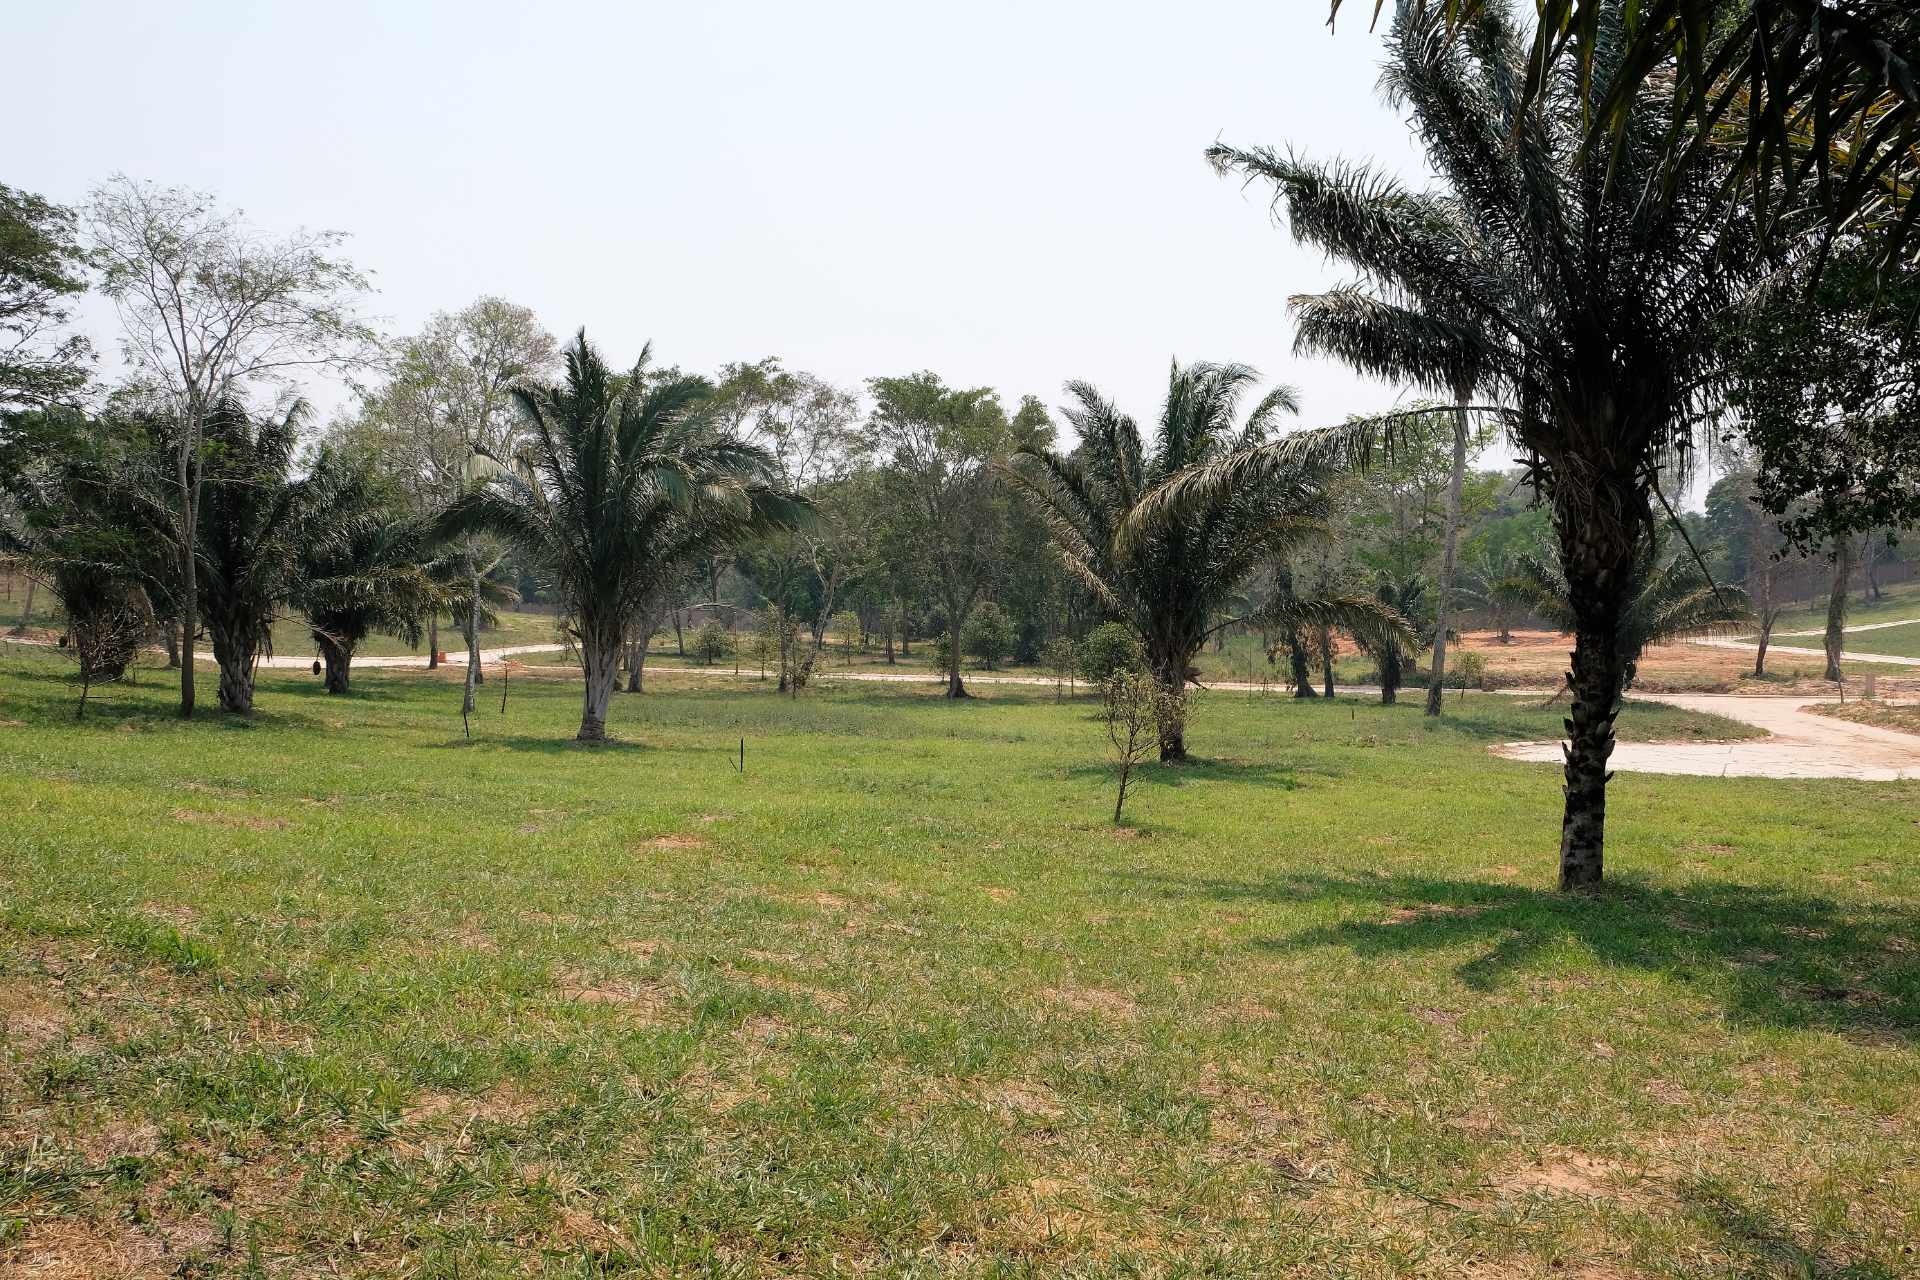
(26, 614)
(467, 630)
(170, 635)
(1764, 598)
(679, 640)
(190, 597)
(1326, 657)
(1443, 603)
(433, 641)
(887, 622)
(1837, 607)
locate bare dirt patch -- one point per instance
(1428, 911)
(644, 1001)
(230, 820)
(29, 1015)
(1094, 1000)
(505, 1103)
(1903, 717)
(1022, 1097)
(678, 840)
(998, 894)
(1572, 1173)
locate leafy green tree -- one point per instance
(42, 265)
(988, 635)
(1168, 566)
(622, 484)
(210, 310)
(1586, 287)
(712, 642)
(939, 443)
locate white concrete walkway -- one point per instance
(1800, 744)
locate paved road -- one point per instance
(1800, 744)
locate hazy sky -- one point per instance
(1008, 194)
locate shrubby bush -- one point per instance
(1109, 648)
(988, 635)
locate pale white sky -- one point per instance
(1008, 194)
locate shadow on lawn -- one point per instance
(1253, 772)
(555, 745)
(1773, 957)
(1768, 1244)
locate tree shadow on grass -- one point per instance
(1773, 957)
(1257, 773)
(540, 745)
(1769, 1246)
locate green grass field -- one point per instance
(336, 991)
(1901, 601)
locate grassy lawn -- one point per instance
(338, 992)
(1902, 716)
(1901, 601)
(1898, 642)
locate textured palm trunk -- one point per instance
(471, 634)
(1836, 637)
(1298, 668)
(600, 665)
(1391, 675)
(171, 636)
(1450, 545)
(234, 650)
(1598, 558)
(337, 661)
(1326, 657)
(1170, 673)
(433, 641)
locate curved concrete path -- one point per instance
(1801, 651)
(1799, 744)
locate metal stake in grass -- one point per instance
(503, 686)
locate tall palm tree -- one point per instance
(1406, 596)
(254, 515)
(1586, 285)
(371, 570)
(622, 482)
(1171, 575)
(1669, 598)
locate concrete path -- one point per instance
(1799, 744)
(1851, 629)
(1846, 655)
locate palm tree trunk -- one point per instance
(1837, 607)
(600, 664)
(233, 649)
(469, 627)
(171, 635)
(1598, 558)
(433, 641)
(1298, 668)
(1170, 673)
(1326, 657)
(337, 660)
(1443, 601)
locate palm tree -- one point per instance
(1585, 285)
(1490, 586)
(622, 482)
(254, 515)
(1169, 573)
(1669, 598)
(1795, 92)
(370, 571)
(1407, 597)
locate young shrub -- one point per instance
(988, 635)
(1109, 648)
(1137, 710)
(1470, 671)
(844, 627)
(711, 643)
(1061, 658)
